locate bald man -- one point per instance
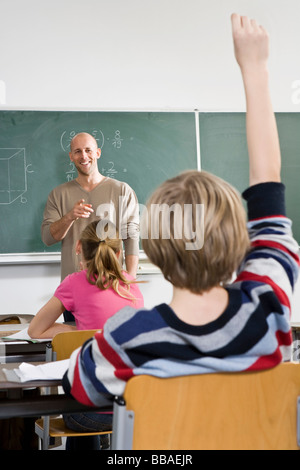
(91, 196)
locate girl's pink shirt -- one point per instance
(90, 305)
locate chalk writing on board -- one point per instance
(67, 136)
(13, 175)
(117, 142)
(71, 172)
(110, 171)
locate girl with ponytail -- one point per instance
(95, 293)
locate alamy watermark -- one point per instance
(159, 221)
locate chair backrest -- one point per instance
(251, 410)
(63, 344)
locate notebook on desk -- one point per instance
(28, 372)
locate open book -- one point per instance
(47, 371)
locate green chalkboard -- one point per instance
(223, 149)
(140, 148)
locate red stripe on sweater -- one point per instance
(272, 360)
(77, 389)
(280, 294)
(284, 339)
(267, 362)
(122, 371)
(281, 216)
(273, 244)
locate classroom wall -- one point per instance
(132, 55)
(136, 54)
(26, 288)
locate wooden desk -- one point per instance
(22, 351)
(15, 405)
(19, 351)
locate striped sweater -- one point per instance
(252, 333)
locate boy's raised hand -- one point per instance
(251, 47)
(251, 43)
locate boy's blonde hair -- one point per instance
(225, 233)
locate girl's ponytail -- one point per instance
(101, 246)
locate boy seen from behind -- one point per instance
(212, 324)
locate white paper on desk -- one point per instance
(47, 371)
(23, 335)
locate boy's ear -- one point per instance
(78, 247)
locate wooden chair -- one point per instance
(233, 411)
(63, 344)
(61, 347)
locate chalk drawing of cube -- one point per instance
(13, 182)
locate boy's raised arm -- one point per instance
(251, 46)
